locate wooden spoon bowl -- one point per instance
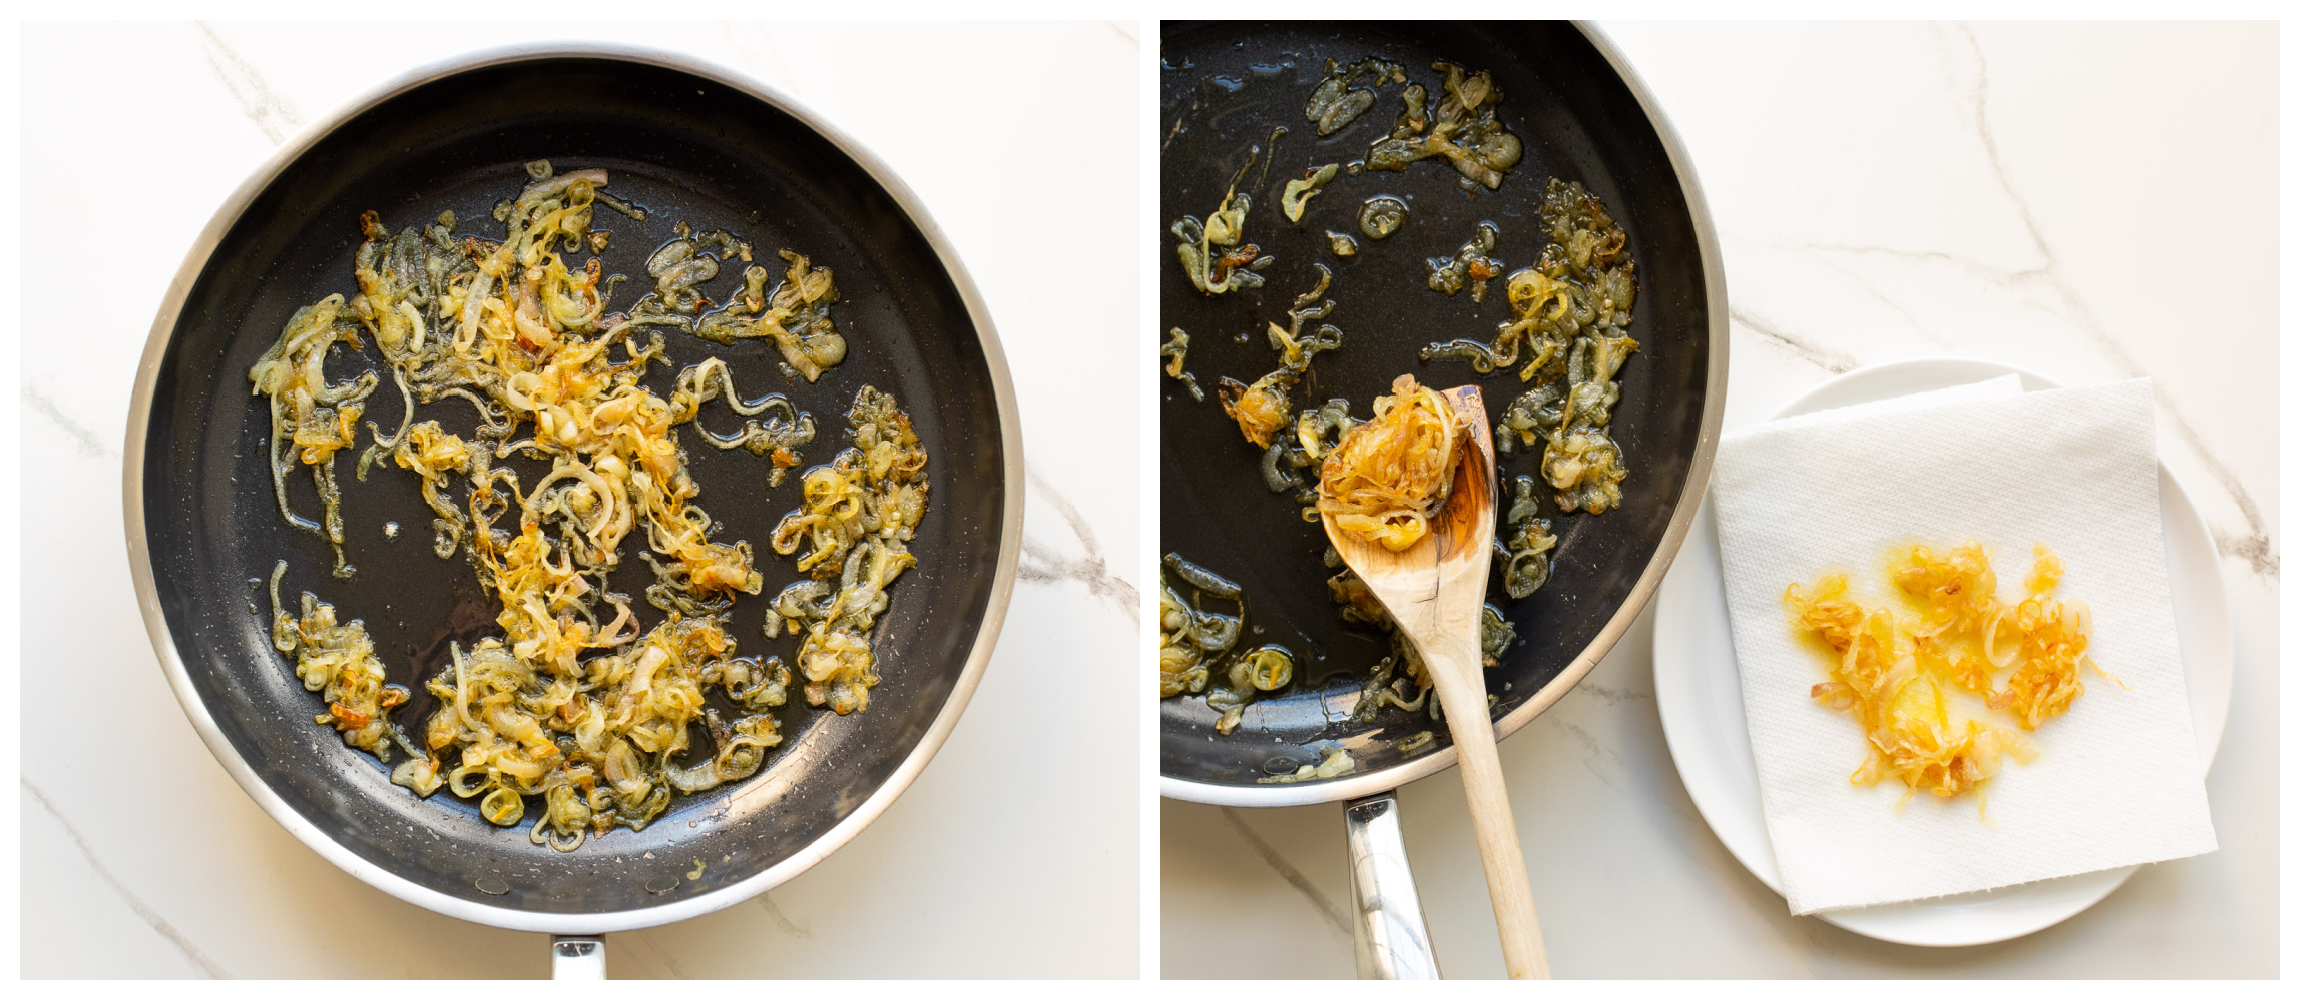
(1435, 590)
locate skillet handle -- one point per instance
(1393, 940)
(578, 956)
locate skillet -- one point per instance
(688, 142)
(1581, 116)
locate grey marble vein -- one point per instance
(2256, 547)
(1870, 287)
(646, 943)
(1591, 750)
(1042, 563)
(1287, 871)
(1831, 361)
(159, 924)
(1995, 276)
(1612, 696)
(782, 923)
(89, 442)
(2253, 545)
(271, 112)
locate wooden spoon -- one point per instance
(1435, 590)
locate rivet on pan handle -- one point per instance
(578, 956)
(1393, 939)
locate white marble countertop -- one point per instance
(141, 858)
(2093, 202)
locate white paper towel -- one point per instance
(2118, 780)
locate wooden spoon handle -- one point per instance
(1466, 715)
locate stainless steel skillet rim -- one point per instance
(1681, 521)
(179, 677)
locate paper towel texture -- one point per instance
(2118, 780)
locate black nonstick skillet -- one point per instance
(1581, 116)
(691, 143)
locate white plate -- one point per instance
(1698, 687)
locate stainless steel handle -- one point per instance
(1393, 939)
(578, 956)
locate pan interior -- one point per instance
(687, 149)
(1222, 87)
